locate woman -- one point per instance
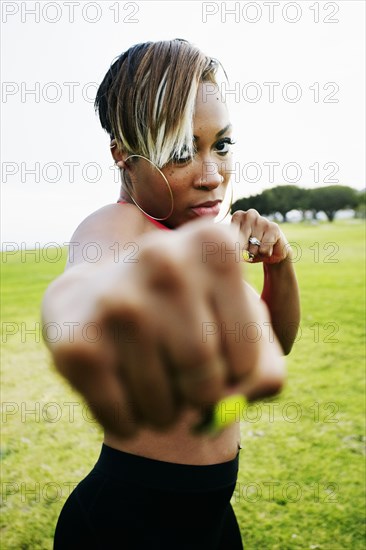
(171, 314)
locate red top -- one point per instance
(155, 222)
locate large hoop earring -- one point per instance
(230, 205)
(167, 184)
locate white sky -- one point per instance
(257, 44)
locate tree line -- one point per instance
(284, 198)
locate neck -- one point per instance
(124, 196)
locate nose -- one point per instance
(208, 176)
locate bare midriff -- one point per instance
(180, 445)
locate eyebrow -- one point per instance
(223, 131)
(220, 132)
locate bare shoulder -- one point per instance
(105, 230)
(251, 289)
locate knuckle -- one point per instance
(253, 213)
(129, 311)
(150, 253)
(124, 319)
(238, 215)
(164, 267)
(81, 365)
(167, 278)
(67, 355)
(271, 226)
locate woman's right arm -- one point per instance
(141, 340)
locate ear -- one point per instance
(118, 155)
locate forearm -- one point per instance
(268, 377)
(68, 301)
(281, 294)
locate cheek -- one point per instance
(227, 167)
(178, 180)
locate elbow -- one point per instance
(276, 381)
(288, 336)
(268, 380)
(286, 347)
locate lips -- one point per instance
(208, 208)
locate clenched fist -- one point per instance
(152, 358)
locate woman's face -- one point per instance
(198, 184)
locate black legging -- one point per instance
(129, 502)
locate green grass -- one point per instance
(301, 481)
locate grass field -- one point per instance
(302, 471)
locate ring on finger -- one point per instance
(254, 240)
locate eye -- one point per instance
(183, 158)
(222, 147)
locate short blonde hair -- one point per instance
(146, 100)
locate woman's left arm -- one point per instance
(280, 289)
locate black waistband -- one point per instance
(157, 474)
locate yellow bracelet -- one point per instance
(223, 414)
(247, 256)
